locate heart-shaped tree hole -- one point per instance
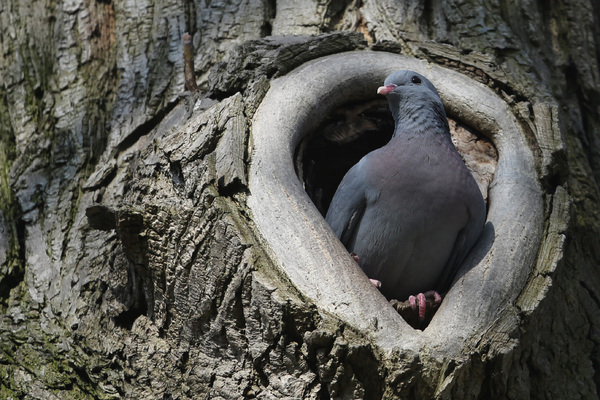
(293, 132)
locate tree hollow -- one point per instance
(303, 246)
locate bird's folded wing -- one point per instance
(348, 206)
(465, 241)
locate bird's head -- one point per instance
(404, 83)
(410, 93)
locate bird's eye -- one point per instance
(416, 79)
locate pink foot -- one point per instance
(376, 283)
(420, 302)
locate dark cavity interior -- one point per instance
(350, 132)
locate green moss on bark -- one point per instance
(11, 265)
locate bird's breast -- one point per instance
(414, 163)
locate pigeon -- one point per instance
(410, 211)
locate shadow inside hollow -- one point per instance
(478, 252)
(344, 137)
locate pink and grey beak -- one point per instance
(386, 89)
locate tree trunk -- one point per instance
(157, 243)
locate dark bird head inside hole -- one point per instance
(350, 132)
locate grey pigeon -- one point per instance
(411, 210)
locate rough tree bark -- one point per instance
(132, 264)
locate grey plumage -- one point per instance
(410, 210)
